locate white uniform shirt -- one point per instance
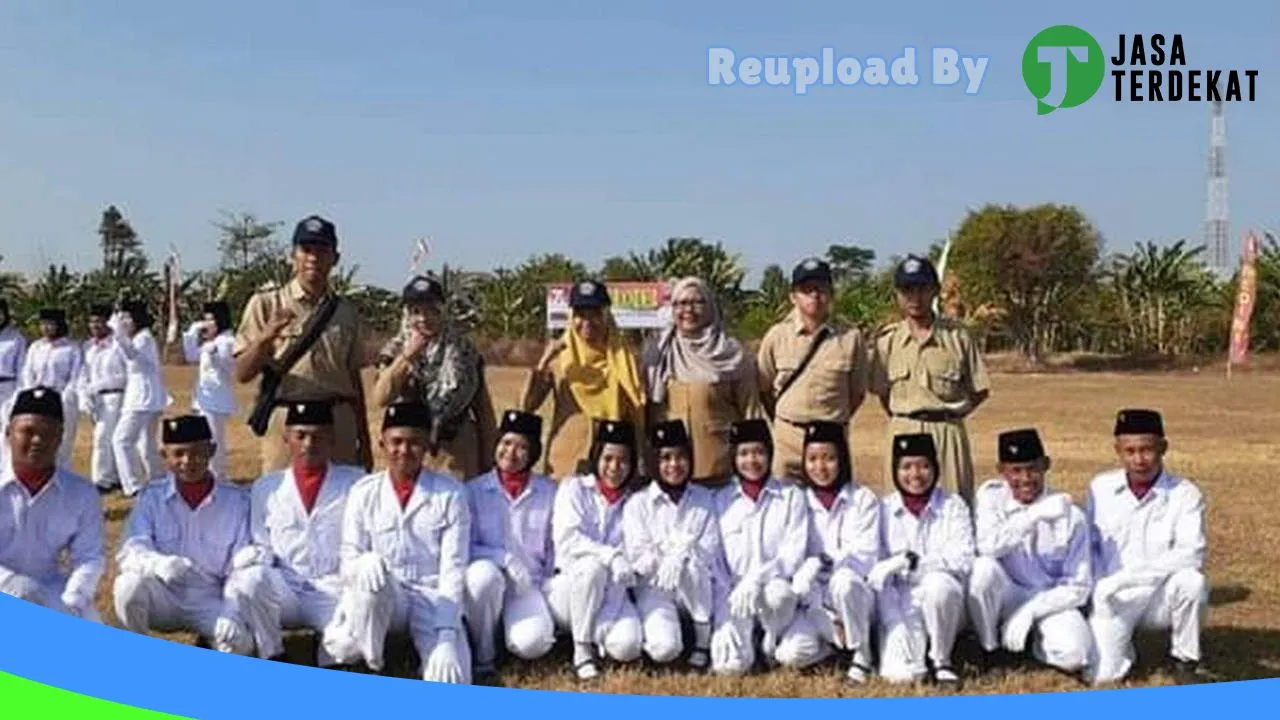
(13, 352)
(426, 545)
(1153, 538)
(1053, 555)
(104, 367)
(34, 531)
(304, 546)
(215, 390)
(654, 526)
(162, 523)
(521, 527)
(848, 533)
(144, 391)
(942, 536)
(768, 536)
(53, 364)
(583, 524)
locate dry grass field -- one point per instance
(1221, 436)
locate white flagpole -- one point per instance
(942, 273)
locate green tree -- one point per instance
(121, 249)
(1167, 298)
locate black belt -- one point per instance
(931, 416)
(8, 378)
(336, 400)
(111, 391)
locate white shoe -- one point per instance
(587, 670)
(945, 676)
(857, 674)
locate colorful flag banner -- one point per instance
(1246, 295)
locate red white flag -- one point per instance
(1245, 298)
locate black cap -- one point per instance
(527, 424)
(669, 434)
(407, 414)
(138, 311)
(422, 290)
(309, 412)
(811, 270)
(1019, 446)
(315, 230)
(186, 429)
(102, 311)
(1139, 421)
(915, 271)
(42, 401)
(620, 432)
(914, 445)
(589, 294)
(53, 315)
(745, 431)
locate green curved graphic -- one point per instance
(26, 699)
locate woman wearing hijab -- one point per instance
(135, 442)
(593, 376)
(431, 361)
(210, 343)
(54, 361)
(696, 373)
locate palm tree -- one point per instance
(1161, 291)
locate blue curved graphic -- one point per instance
(122, 667)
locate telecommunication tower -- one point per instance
(1217, 239)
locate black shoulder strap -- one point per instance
(818, 339)
(315, 325)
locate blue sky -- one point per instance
(507, 128)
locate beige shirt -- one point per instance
(708, 410)
(943, 372)
(832, 386)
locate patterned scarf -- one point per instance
(445, 375)
(710, 357)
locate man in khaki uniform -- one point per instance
(329, 370)
(929, 375)
(829, 387)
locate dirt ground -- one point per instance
(1220, 434)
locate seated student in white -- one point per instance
(405, 543)
(512, 555)
(210, 345)
(836, 603)
(186, 560)
(672, 538)
(1034, 569)
(764, 528)
(927, 535)
(296, 523)
(589, 592)
(1149, 545)
(49, 511)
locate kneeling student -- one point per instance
(1034, 569)
(186, 561)
(512, 557)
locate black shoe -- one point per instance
(946, 677)
(998, 659)
(1190, 672)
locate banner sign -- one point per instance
(1245, 297)
(636, 305)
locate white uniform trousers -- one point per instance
(218, 464)
(102, 464)
(143, 602)
(362, 620)
(595, 610)
(527, 625)
(296, 602)
(1177, 604)
(660, 611)
(1063, 639)
(137, 449)
(44, 594)
(846, 599)
(775, 616)
(917, 619)
(70, 423)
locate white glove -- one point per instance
(371, 573)
(1106, 588)
(443, 664)
(887, 568)
(172, 568)
(75, 603)
(745, 598)
(726, 646)
(519, 574)
(228, 633)
(802, 581)
(1017, 627)
(1051, 508)
(621, 571)
(250, 555)
(668, 577)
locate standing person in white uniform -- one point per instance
(764, 527)
(672, 538)
(186, 562)
(13, 352)
(836, 603)
(53, 361)
(1149, 546)
(405, 543)
(50, 512)
(209, 343)
(1034, 569)
(135, 442)
(589, 594)
(295, 522)
(101, 388)
(927, 535)
(512, 554)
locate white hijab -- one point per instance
(710, 357)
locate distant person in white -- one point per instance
(208, 344)
(13, 352)
(135, 442)
(589, 594)
(836, 603)
(101, 389)
(53, 361)
(185, 561)
(927, 536)
(1034, 569)
(51, 527)
(672, 537)
(512, 553)
(405, 542)
(296, 523)
(1149, 546)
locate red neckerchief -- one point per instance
(675, 492)
(308, 481)
(32, 479)
(403, 488)
(611, 495)
(513, 483)
(916, 503)
(826, 495)
(194, 493)
(752, 488)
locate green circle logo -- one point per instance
(1063, 66)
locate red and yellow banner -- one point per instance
(1245, 297)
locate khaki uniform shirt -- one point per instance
(832, 386)
(707, 410)
(943, 372)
